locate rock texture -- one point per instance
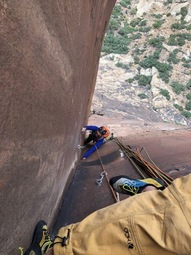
(48, 60)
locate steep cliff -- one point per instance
(49, 59)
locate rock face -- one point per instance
(49, 60)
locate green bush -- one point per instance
(117, 11)
(148, 62)
(178, 39)
(136, 60)
(135, 36)
(144, 29)
(179, 107)
(114, 24)
(158, 23)
(135, 22)
(183, 12)
(163, 68)
(122, 65)
(188, 96)
(188, 85)
(133, 11)
(177, 87)
(178, 26)
(172, 57)
(186, 114)
(142, 96)
(143, 23)
(143, 80)
(130, 80)
(126, 30)
(188, 106)
(157, 41)
(165, 93)
(157, 16)
(188, 27)
(187, 65)
(125, 3)
(115, 44)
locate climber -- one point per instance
(99, 135)
(153, 222)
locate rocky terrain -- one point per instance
(145, 66)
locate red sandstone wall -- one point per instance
(48, 60)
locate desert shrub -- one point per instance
(179, 107)
(157, 16)
(144, 29)
(126, 29)
(157, 41)
(163, 68)
(187, 65)
(136, 60)
(135, 22)
(143, 80)
(158, 23)
(114, 24)
(130, 80)
(165, 93)
(177, 87)
(168, 2)
(188, 85)
(125, 3)
(148, 62)
(142, 96)
(186, 114)
(135, 36)
(117, 11)
(172, 57)
(188, 106)
(188, 96)
(176, 40)
(143, 23)
(133, 11)
(122, 65)
(183, 12)
(115, 44)
(178, 26)
(188, 27)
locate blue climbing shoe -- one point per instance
(126, 185)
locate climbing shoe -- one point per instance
(41, 241)
(126, 185)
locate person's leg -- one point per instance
(148, 223)
(93, 148)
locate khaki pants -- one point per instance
(154, 222)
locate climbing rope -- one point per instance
(104, 174)
(140, 163)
